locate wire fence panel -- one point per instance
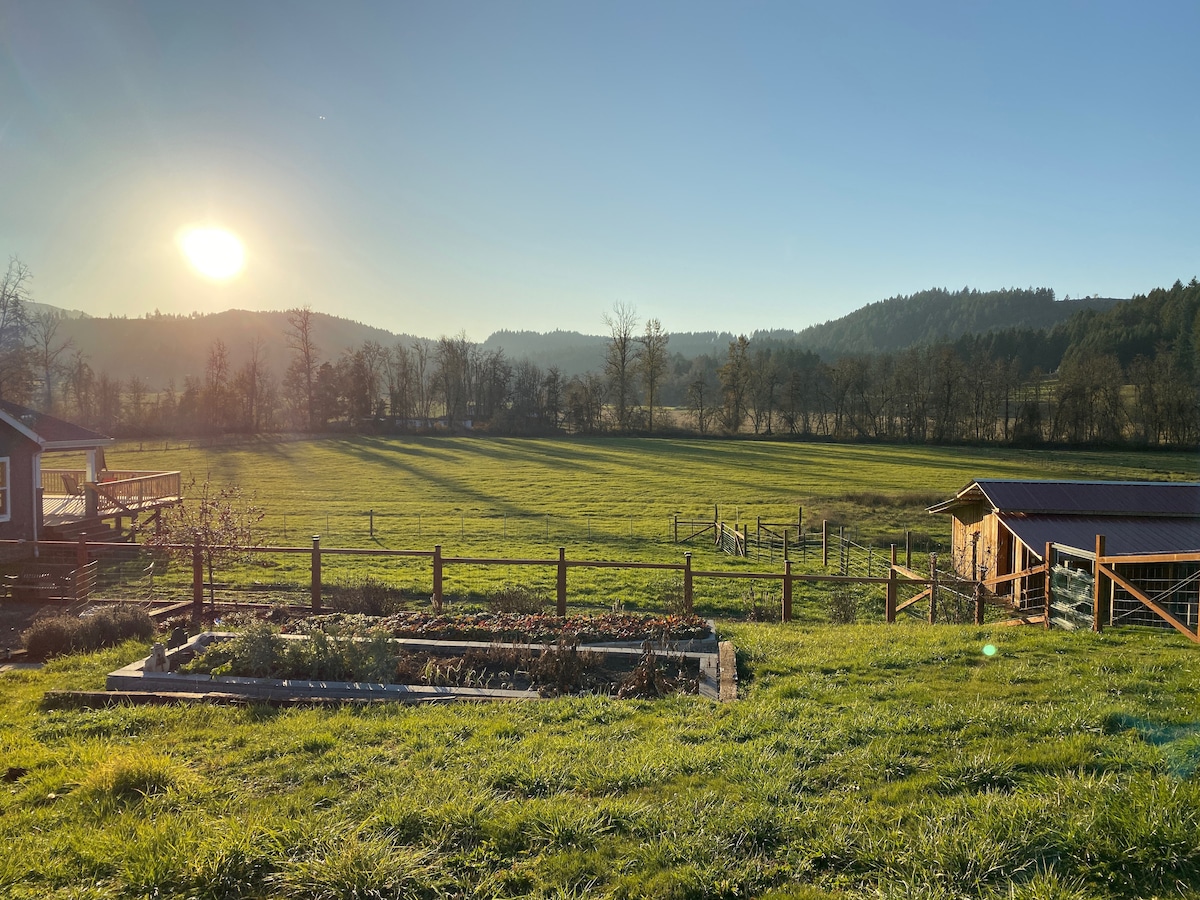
(393, 529)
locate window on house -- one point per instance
(5, 512)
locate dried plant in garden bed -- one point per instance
(518, 627)
(552, 670)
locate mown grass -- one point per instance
(864, 761)
(602, 499)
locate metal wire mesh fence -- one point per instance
(419, 528)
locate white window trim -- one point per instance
(6, 462)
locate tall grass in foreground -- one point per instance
(862, 761)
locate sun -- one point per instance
(215, 253)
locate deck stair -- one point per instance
(95, 530)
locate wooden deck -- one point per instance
(67, 497)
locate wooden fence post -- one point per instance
(562, 582)
(785, 545)
(81, 552)
(687, 583)
(978, 602)
(371, 520)
(933, 588)
(197, 579)
(825, 543)
(787, 591)
(908, 549)
(316, 573)
(1048, 559)
(675, 521)
(1101, 596)
(437, 578)
(889, 602)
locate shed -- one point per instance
(1001, 529)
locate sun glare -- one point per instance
(213, 252)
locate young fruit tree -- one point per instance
(220, 522)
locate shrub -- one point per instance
(517, 598)
(760, 606)
(670, 596)
(260, 652)
(368, 597)
(62, 634)
(255, 653)
(843, 608)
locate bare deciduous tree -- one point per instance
(48, 352)
(652, 363)
(301, 377)
(619, 362)
(221, 520)
(16, 382)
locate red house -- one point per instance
(45, 504)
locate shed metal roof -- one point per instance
(1122, 534)
(1095, 498)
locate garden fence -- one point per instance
(1147, 589)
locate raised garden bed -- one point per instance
(333, 657)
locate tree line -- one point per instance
(1127, 375)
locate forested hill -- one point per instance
(573, 353)
(886, 326)
(1028, 323)
(936, 315)
(1165, 319)
(165, 349)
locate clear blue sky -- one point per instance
(433, 167)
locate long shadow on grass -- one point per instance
(458, 487)
(536, 450)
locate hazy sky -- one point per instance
(431, 167)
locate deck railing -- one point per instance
(116, 490)
(132, 490)
(54, 484)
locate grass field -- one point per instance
(602, 499)
(327, 486)
(861, 761)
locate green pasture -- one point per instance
(860, 762)
(601, 499)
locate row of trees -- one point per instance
(935, 395)
(994, 388)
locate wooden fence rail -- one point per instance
(84, 549)
(934, 586)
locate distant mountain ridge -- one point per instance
(162, 349)
(935, 315)
(886, 326)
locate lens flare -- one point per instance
(989, 650)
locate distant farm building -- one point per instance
(1142, 540)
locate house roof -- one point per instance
(1122, 534)
(1081, 498)
(48, 432)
